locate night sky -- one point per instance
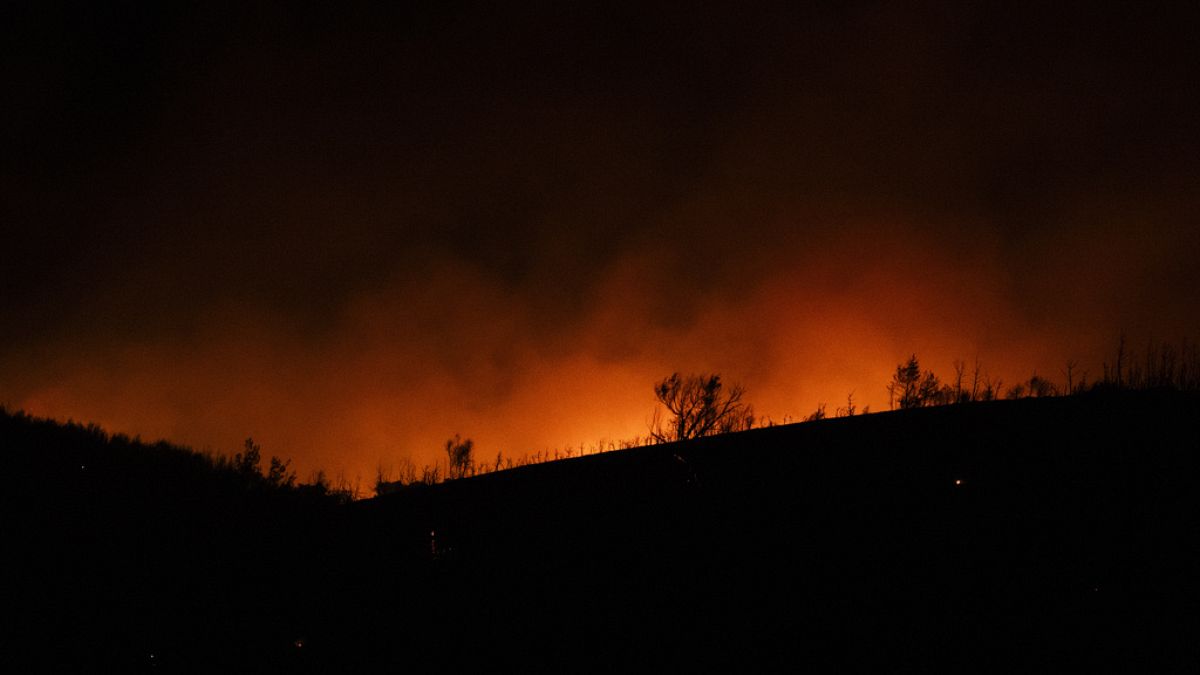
(353, 232)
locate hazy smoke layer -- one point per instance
(354, 235)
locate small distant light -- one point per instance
(958, 481)
(82, 467)
(299, 644)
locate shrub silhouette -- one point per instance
(699, 405)
(278, 474)
(247, 466)
(818, 414)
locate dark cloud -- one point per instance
(354, 231)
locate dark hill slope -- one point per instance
(1069, 538)
(123, 555)
(1016, 531)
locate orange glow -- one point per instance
(407, 366)
(355, 242)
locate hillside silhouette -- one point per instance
(131, 555)
(1047, 532)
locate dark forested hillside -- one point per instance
(125, 554)
(1035, 532)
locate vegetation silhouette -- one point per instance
(130, 555)
(1163, 366)
(698, 406)
(912, 388)
(927, 536)
(459, 453)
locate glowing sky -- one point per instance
(354, 232)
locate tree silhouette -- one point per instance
(699, 405)
(247, 463)
(911, 388)
(459, 453)
(279, 475)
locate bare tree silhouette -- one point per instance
(698, 405)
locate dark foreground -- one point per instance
(1039, 534)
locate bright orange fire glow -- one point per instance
(410, 365)
(353, 241)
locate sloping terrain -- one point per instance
(123, 555)
(1038, 533)
(1034, 531)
